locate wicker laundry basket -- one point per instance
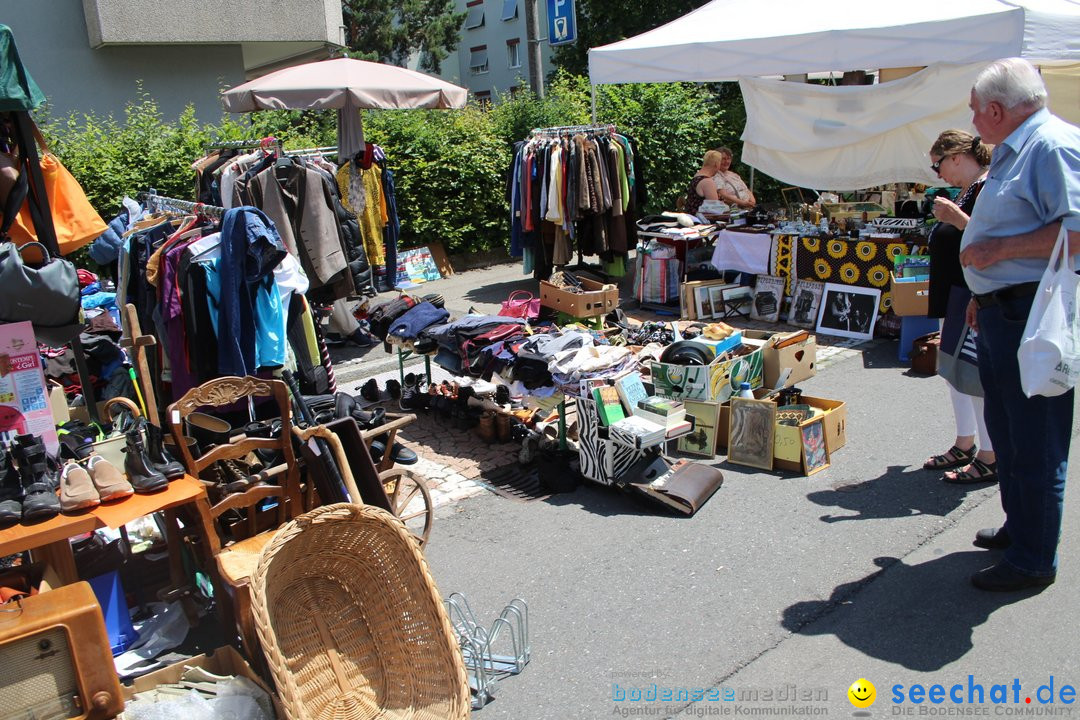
(351, 622)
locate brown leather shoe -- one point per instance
(76, 489)
(109, 481)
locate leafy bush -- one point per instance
(449, 169)
(449, 166)
(111, 159)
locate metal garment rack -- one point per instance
(266, 143)
(159, 202)
(560, 130)
(307, 152)
(484, 666)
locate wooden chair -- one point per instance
(235, 547)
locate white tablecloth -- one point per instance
(745, 252)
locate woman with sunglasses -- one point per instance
(961, 160)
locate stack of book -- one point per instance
(662, 411)
(638, 432)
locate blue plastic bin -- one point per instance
(913, 327)
(110, 595)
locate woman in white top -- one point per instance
(729, 186)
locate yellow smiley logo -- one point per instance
(862, 693)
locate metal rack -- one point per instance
(559, 130)
(484, 666)
(306, 152)
(265, 143)
(153, 201)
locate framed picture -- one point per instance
(703, 302)
(805, 302)
(703, 440)
(815, 454)
(716, 295)
(768, 296)
(751, 432)
(737, 301)
(848, 311)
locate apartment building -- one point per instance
(492, 57)
(89, 55)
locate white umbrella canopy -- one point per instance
(346, 85)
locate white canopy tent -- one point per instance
(850, 137)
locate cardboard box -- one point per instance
(79, 412)
(911, 297)
(800, 357)
(787, 446)
(595, 301)
(223, 661)
(715, 382)
(718, 347)
(58, 403)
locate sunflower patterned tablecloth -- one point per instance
(851, 261)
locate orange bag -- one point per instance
(75, 220)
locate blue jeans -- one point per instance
(1031, 438)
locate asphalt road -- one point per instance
(781, 591)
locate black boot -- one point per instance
(141, 473)
(11, 492)
(159, 456)
(40, 500)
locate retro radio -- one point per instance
(55, 660)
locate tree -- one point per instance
(392, 30)
(600, 22)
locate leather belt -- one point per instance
(1005, 294)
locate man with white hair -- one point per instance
(1033, 188)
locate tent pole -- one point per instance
(592, 101)
(751, 178)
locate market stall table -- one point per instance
(747, 252)
(48, 541)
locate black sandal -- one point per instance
(954, 457)
(980, 472)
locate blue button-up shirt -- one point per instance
(1034, 180)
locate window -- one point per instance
(483, 98)
(476, 15)
(513, 56)
(509, 9)
(478, 60)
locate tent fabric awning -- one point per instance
(854, 137)
(728, 39)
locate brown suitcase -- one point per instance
(924, 353)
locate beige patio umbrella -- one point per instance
(349, 86)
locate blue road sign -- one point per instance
(562, 22)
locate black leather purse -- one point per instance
(46, 294)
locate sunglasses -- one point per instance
(936, 166)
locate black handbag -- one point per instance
(46, 294)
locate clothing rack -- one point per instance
(304, 152)
(160, 202)
(559, 130)
(245, 144)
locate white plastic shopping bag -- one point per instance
(1049, 353)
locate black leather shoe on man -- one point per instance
(1003, 577)
(992, 539)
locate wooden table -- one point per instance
(47, 541)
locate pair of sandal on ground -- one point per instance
(977, 471)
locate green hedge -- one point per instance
(449, 166)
